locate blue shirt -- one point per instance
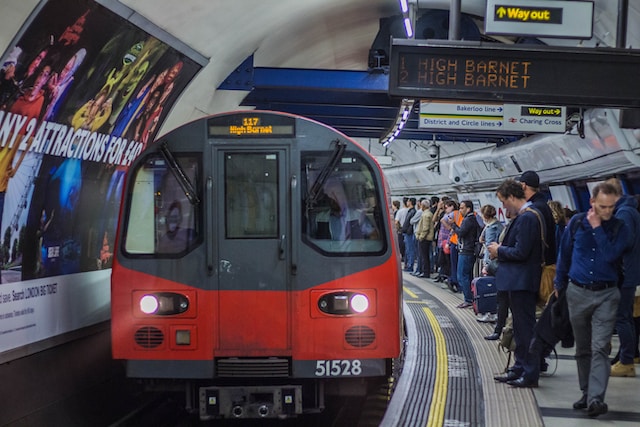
(593, 254)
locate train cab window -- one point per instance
(341, 208)
(162, 219)
(251, 195)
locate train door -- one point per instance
(252, 220)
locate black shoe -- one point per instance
(522, 382)
(582, 403)
(544, 366)
(509, 376)
(597, 408)
(494, 336)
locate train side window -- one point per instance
(251, 195)
(161, 220)
(341, 209)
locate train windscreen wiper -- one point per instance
(179, 174)
(336, 155)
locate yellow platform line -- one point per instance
(408, 291)
(439, 399)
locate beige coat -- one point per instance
(425, 226)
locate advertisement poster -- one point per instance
(82, 92)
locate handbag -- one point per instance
(446, 248)
(492, 267)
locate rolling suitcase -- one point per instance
(485, 294)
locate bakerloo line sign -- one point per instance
(584, 77)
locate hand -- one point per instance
(493, 250)
(593, 218)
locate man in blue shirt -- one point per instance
(588, 268)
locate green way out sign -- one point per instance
(563, 19)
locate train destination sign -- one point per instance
(476, 116)
(255, 125)
(437, 69)
(562, 19)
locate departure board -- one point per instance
(523, 73)
(252, 125)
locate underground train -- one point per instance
(255, 267)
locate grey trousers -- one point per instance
(593, 318)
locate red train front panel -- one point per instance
(255, 237)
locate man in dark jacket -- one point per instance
(468, 234)
(626, 209)
(531, 186)
(519, 256)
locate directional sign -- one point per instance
(463, 115)
(535, 118)
(474, 116)
(562, 19)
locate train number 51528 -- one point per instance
(338, 368)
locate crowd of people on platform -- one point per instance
(586, 262)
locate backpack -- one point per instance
(407, 227)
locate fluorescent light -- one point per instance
(404, 6)
(407, 27)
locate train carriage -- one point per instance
(256, 266)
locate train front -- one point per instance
(256, 267)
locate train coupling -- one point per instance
(250, 402)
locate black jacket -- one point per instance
(468, 233)
(554, 324)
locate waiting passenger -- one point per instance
(627, 210)
(519, 273)
(587, 269)
(560, 219)
(490, 233)
(424, 234)
(468, 233)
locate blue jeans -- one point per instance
(410, 251)
(453, 277)
(465, 274)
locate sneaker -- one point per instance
(492, 318)
(482, 317)
(623, 370)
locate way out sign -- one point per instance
(561, 19)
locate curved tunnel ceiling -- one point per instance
(321, 44)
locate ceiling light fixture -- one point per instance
(409, 16)
(401, 120)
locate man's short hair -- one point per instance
(605, 188)
(467, 203)
(510, 187)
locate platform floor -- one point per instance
(449, 369)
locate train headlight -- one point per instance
(359, 303)
(343, 303)
(164, 303)
(149, 304)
